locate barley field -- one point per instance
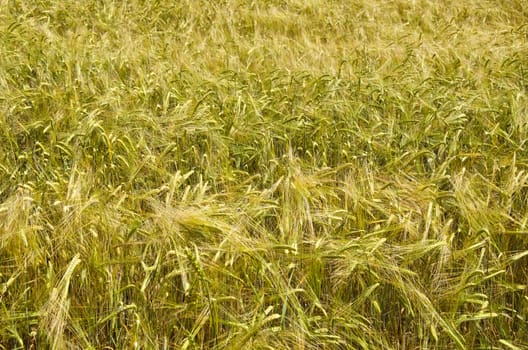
(276, 174)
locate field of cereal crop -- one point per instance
(276, 174)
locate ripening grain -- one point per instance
(263, 174)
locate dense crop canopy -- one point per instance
(263, 174)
